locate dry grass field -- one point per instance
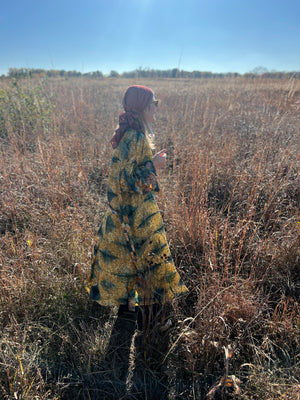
(230, 201)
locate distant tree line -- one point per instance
(147, 73)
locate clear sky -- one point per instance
(122, 35)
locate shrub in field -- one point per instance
(25, 112)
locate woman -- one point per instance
(132, 266)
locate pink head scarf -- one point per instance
(136, 99)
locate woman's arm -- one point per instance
(135, 170)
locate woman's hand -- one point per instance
(159, 159)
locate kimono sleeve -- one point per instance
(137, 174)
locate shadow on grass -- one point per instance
(120, 372)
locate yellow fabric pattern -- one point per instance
(132, 259)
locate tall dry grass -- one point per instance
(230, 202)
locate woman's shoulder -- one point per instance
(134, 135)
(132, 142)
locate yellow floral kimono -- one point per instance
(132, 263)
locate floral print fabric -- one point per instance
(132, 259)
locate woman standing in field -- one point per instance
(132, 266)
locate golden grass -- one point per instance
(230, 202)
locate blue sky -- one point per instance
(122, 35)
